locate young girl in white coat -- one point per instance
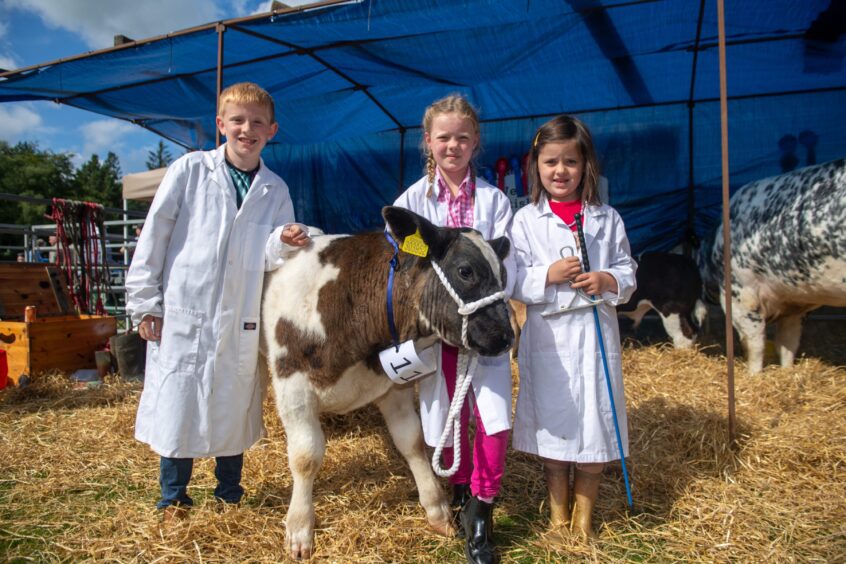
(564, 413)
(451, 195)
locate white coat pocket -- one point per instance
(255, 241)
(180, 343)
(248, 346)
(548, 402)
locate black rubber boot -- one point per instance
(477, 518)
(460, 496)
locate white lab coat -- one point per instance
(492, 378)
(199, 264)
(563, 406)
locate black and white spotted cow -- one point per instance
(324, 324)
(788, 255)
(670, 284)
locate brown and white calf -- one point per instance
(324, 323)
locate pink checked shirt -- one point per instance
(460, 207)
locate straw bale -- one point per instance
(76, 486)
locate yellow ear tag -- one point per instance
(414, 245)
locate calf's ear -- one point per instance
(403, 222)
(501, 246)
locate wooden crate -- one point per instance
(65, 342)
(32, 284)
(57, 338)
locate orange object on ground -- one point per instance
(4, 369)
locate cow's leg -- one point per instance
(298, 409)
(788, 334)
(397, 407)
(753, 335)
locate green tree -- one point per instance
(27, 171)
(159, 157)
(99, 182)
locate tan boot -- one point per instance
(585, 490)
(558, 483)
(173, 514)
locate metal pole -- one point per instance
(125, 233)
(401, 161)
(691, 104)
(220, 31)
(732, 423)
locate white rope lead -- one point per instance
(465, 309)
(464, 377)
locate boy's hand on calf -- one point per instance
(295, 236)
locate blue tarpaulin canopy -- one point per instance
(351, 81)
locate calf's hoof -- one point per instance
(442, 524)
(299, 536)
(300, 548)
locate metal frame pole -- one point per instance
(732, 423)
(221, 29)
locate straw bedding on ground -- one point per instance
(74, 485)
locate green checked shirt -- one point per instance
(242, 179)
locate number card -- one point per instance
(406, 364)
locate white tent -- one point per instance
(142, 185)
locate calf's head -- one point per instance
(473, 270)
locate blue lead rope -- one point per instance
(613, 405)
(389, 298)
(583, 247)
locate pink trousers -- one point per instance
(484, 473)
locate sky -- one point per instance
(39, 31)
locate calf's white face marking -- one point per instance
(488, 253)
(672, 325)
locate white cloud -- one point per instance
(8, 62)
(105, 135)
(242, 6)
(98, 21)
(265, 5)
(135, 160)
(18, 122)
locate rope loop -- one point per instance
(464, 377)
(464, 371)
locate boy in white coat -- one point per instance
(451, 195)
(564, 413)
(219, 220)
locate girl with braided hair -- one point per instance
(451, 195)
